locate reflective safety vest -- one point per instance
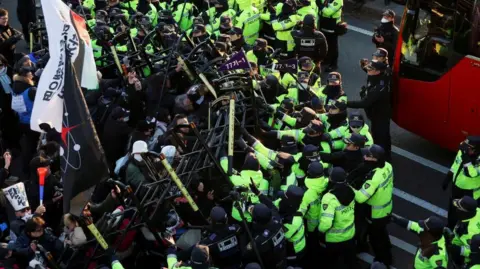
(283, 30)
(23, 106)
(377, 191)
(244, 180)
(438, 260)
(243, 4)
(249, 21)
(336, 220)
(295, 233)
(464, 233)
(213, 24)
(289, 81)
(468, 177)
(251, 57)
(308, 10)
(185, 20)
(311, 202)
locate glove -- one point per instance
(447, 180)
(454, 250)
(279, 114)
(249, 150)
(241, 144)
(254, 188)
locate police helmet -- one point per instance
(218, 215)
(311, 152)
(355, 120)
(315, 170)
(261, 214)
(338, 175)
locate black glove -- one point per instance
(249, 150)
(254, 188)
(279, 114)
(241, 144)
(454, 250)
(447, 180)
(466, 158)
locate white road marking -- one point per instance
(359, 30)
(421, 203)
(403, 245)
(420, 160)
(368, 258)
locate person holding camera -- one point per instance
(465, 175)
(385, 36)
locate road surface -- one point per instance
(419, 166)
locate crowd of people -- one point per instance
(312, 182)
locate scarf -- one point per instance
(5, 81)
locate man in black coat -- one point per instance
(376, 103)
(8, 37)
(385, 36)
(115, 135)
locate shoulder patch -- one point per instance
(232, 228)
(266, 233)
(325, 206)
(366, 185)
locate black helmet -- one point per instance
(315, 170)
(338, 175)
(218, 215)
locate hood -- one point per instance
(318, 184)
(344, 194)
(20, 84)
(257, 176)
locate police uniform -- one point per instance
(356, 124)
(269, 237)
(465, 174)
(249, 21)
(310, 42)
(224, 241)
(337, 221)
(330, 16)
(389, 32)
(467, 226)
(283, 26)
(377, 192)
(306, 64)
(474, 253)
(376, 103)
(434, 253)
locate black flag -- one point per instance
(83, 161)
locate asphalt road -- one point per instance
(419, 166)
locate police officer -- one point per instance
(337, 221)
(376, 103)
(310, 42)
(385, 36)
(218, 9)
(304, 8)
(474, 253)
(432, 252)
(310, 154)
(224, 240)
(260, 54)
(330, 16)
(380, 55)
(293, 225)
(306, 64)
(333, 91)
(286, 20)
(377, 193)
(356, 124)
(465, 229)
(267, 231)
(316, 183)
(464, 174)
(351, 157)
(249, 21)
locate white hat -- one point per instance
(139, 146)
(17, 196)
(169, 152)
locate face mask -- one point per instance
(27, 216)
(200, 100)
(332, 91)
(303, 86)
(384, 20)
(356, 130)
(126, 119)
(138, 157)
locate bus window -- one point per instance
(474, 46)
(426, 48)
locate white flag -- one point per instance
(61, 30)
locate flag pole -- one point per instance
(83, 218)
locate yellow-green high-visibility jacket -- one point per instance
(463, 236)
(251, 57)
(337, 221)
(249, 21)
(243, 4)
(289, 81)
(283, 30)
(377, 191)
(339, 144)
(185, 20)
(213, 23)
(311, 202)
(466, 176)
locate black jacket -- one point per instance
(318, 52)
(8, 39)
(115, 138)
(348, 160)
(376, 101)
(390, 34)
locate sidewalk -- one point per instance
(374, 8)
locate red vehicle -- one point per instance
(436, 78)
